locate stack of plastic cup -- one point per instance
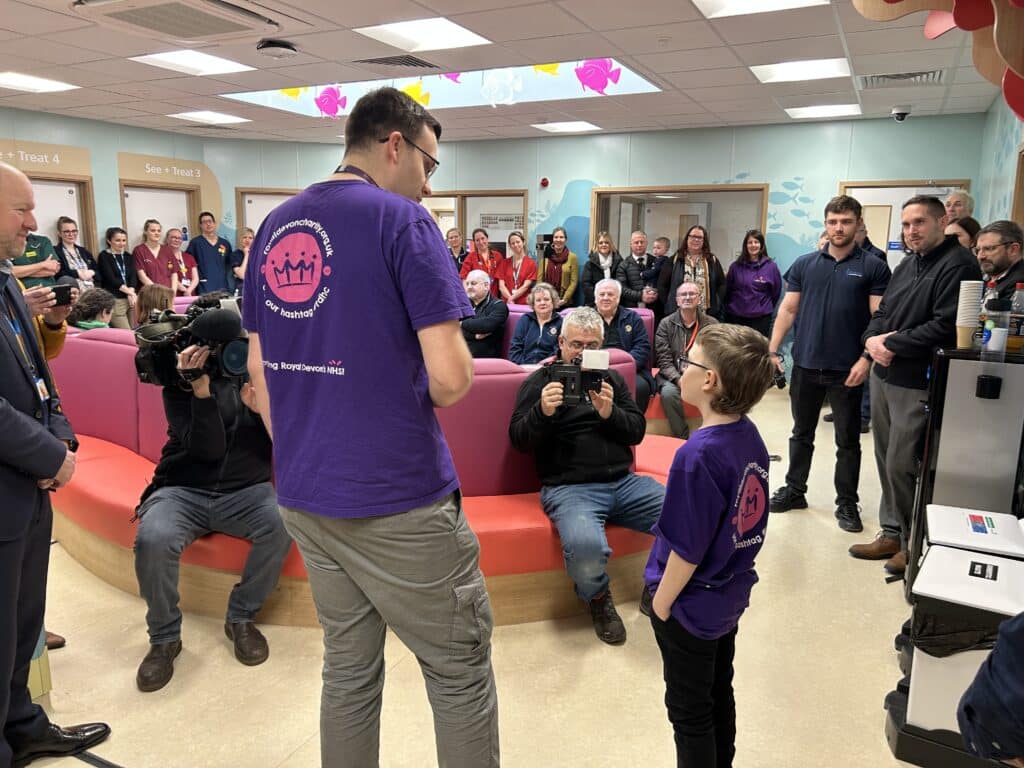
(967, 310)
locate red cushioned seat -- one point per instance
(655, 453)
(517, 537)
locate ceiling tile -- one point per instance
(341, 45)
(781, 25)
(635, 13)
(479, 57)
(721, 93)
(451, 7)
(665, 37)
(683, 61)
(799, 49)
(122, 70)
(43, 50)
(904, 61)
(706, 78)
(256, 81)
(656, 103)
(901, 39)
(829, 85)
(588, 45)
(527, 22)
(28, 19)
(98, 39)
(324, 73)
(840, 97)
(246, 53)
(139, 91)
(887, 98)
(109, 112)
(967, 75)
(742, 105)
(365, 14)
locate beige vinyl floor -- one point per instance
(814, 661)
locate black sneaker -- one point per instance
(848, 515)
(646, 601)
(786, 499)
(828, 418)
(607, 623)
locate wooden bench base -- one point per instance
(515, 598)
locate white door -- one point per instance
(258, 205)
(53, 200)
(168, 206)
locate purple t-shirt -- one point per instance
(715, 513)
(340, 279)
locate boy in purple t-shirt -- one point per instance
(712, 525)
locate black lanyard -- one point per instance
(357, 172)
(119, 263)
(16, 329)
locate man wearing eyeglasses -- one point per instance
(999, 247)
(353, 306)
(583, 459)
(916, 317)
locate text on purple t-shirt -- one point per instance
(340, 279)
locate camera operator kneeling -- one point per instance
(213, 475)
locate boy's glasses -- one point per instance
(685, 362)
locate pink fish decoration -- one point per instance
(595, 74)
(453, 76)
(330, 101)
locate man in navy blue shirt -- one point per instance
(213, 255)
(830, 296)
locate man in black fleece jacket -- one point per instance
(916, 318)
(213, 475)
(583, 455)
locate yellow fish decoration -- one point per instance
(294, 93)
(547, 69)
(417, 94)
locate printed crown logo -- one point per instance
(294, 273)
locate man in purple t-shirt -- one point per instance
(353, 305)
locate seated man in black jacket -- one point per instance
(213, 475)
(583, 459)
(485, 331)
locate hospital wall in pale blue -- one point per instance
(803, 164)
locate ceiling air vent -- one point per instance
(901, 79)
(398, 61)
(188, 20)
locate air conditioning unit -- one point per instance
(191, 22)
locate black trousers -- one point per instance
(762, 324)
(698, 694)
(23, 565)
(807, 391)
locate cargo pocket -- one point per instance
(472, 619)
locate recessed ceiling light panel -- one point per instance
(795, 71)
(823, 110)
(16, 81)
(572, 126)
(192, 62)
(210, 118)
(717, 9)
(423, 35)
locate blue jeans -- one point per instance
(172, 518)
(580, 512)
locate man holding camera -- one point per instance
(213, 475)
(582, 449)
(830, 296)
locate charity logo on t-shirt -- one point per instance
(295, 267)
(750, 505)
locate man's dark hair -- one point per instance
(931, 203)
(380, 112)
(1008, 231)
(204, 214)
(843, 204)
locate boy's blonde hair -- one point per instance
(745, 370)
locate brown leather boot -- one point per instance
(882, 548)
(896, 564)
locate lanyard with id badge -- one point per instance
(15, 325)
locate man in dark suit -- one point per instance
(485, 331)
(36, 455)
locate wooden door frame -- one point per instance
(460, 196)
(675, 189)
(241, 192)
(192, 198)
(964, 184)
(87, 226)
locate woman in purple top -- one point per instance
(753, 286)
(712, 525)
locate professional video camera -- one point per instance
(581, 375)
(219, 328)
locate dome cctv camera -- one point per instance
(900, 113)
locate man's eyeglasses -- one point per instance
(684, 362)
(579, 346)
(985, 250)
(435, 162)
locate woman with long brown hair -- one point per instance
(694, 262)
(560, 267)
